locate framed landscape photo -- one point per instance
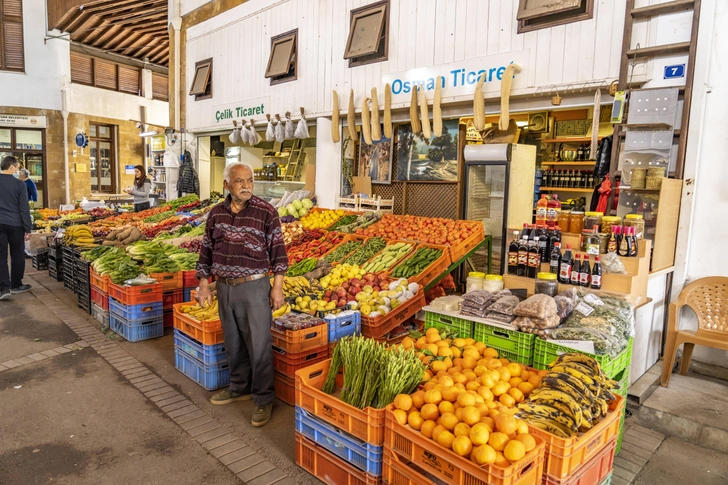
(375, 160)
(430, 160)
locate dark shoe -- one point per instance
(227, 396)
(261, 415)
(20, 289)
(4, 295)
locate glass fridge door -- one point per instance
(485, 202)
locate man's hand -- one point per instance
(203, 295)
(27, 236)
(277, 299)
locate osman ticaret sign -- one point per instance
(459, 78)
(250, 108)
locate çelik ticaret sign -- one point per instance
(224, 114)
(459, 78)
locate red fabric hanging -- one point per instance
(604, 189)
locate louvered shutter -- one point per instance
(12, 35)
(160, 87)
(105, 74)
(129, 79)
(81, 69)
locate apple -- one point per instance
(376, 288)
(369, 277)
(341, 293)
(327, 299)
(345, 285)
(327, 294)
(342, 302)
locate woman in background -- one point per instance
(140, 190)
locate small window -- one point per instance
(539, 14)
(160, 87)
(368, 40)
(202, 82)
(283, 62)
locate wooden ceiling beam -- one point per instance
(142, 13)
(86, 28)
(107, 35)
(90, 35)
(161, 59)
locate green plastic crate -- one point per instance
(513, 345)
(545, 352)
(623, 380)
(607, 481)
(461, 326)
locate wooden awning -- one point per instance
(134, 28)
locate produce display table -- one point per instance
(487, 241)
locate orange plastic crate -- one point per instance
(208, 333)
(295, 341)
(383, 324)
(366, 424)
(189, 279)
(328, 468)
(99, 281)
(591, 473)
(565, 455)
(346, 239)
(457, 252)
(288, 364)
(169, 281)
(134, 295)
(285, 389)
(452, 469)
(100, 298)
(435, 269)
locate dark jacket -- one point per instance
(14, 209)
(188, 182)
(32, 190)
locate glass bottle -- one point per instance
(576, 271)
(555, 259)
(513, 254)
(567, 261)
(585, 272)
(534, 258)
(523, 255)
(596, 275)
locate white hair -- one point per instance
(229, 168)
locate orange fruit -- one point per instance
(498, 389)
(498, 440)
(462, 445)
(460, 386)
(489, 422)
(500, 460)
(433, 396)
(494, 364)
(442, 343)
(470, 415)
(437, 430)
(470, 375)
(400, 416)
(458, 362)
(525, 375)
(484, 455)
(534, 380)
(472, 385)
(473, 354)
(528, 441)
(445, 381)
(504, 373)
(526, 388)
(432, 338)
(427, 427)
(459, 342)
(466, 399)
(403, 402)
(415, 420)
(483, 408)
(418, 399)
(515, 381)
(449, 421)
(456, 352)
(514, 451)
(504, 361)
(448, 362)
(479, 434)
(522, 426)
(446, 439)
(450, 393)
(487, 381)
(494, 374)
(507, 400)
(469, 341)
(460, 378)
(429, 385)
(491, 404)
(444, 352)
(506, 424)
(432, 348)
(543, 373)
(480, 346)
(461, 429)
(516, 394)
(469, 362)
(420, 343)
(490, 353)
(438, 366)
(445, 407)
(493, 413)
(480, 370)
(459, 413)
(432, 331)
(408, 342)
(515, 369)
(485, 393)
(428, 374)
(430, 411)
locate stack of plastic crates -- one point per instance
(199, 350)
(135, 312)
(99, 297)
(83, 283)
(40, 260)
(189, 283)
(69, 267)
(55, 262)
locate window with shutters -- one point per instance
(160, 87)
(540, 14)
(368, 39)
(129, 79)
(93, 71)
(283, 59)
(202, 80)
(12, 56)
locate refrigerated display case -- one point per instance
(498, 191)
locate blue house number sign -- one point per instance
(674, 71)
(81, 140)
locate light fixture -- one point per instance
(148, 133)
(521, 124)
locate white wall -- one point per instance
(188, 6)
(112, 104)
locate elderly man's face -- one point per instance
(240, 185)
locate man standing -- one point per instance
(32, 189)
(242, 243)
(15, 228)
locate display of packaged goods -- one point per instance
(296, 321)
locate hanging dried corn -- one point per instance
(335, 136)
(388, 111)
(424, 115)
(376, 127)
(414, 114)
(506, 83)
(366, 127)
(479, 105)
(595, 125)
(436, 111)
(351, 117)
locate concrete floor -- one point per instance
(679, 462)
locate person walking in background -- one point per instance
(140, 190)
(243, 241)
(188, 181)
(15, 228)
(32, 189)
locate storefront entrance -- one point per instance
(28, 146)
(103, 159)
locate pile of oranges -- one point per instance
(469, 401)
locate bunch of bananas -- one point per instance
(294, 286)
(285, 309)
(78, 236)
(571, 398)
(207, 313)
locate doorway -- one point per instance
(28, 146)
(103, 159)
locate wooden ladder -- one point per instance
(296, 160)
(629, 54)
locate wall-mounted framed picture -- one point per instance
(430, 160)
(375, 160)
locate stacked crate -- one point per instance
(99, 297)
(199, 350)
(171, 294)
(189, 283)
(55, 262)
(342, 326)
(83, 283)
(69, 267)
(40, 260)
(135, 312)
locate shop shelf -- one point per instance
(461, 326)
(189, 279)
(100, 315)
(545, 352)
(285, 389)
(100, 298)
(564, 456)
(209, 377)
(457, 252)
(362, 455)
(168, 318)
(134, 295)
(208, 333)
(513, 345)
(171, 298)
(596, 471)
(99, 281)
(296, 341)
(383, 324)
(327, 467)
(139, 331)
(207, 354)
(366, 424)
(435, 269)
(344, 326)
(288, 364)
(134, 313)
(169, 281)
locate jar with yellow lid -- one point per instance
(592, 219)
(547, 284)
(576, 222)
(608, 222)
(474, 281)
(636, 221)
(563, 221)
(493, 282)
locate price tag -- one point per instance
(593, 299)
(581, 345)
(584, 309)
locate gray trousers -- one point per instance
(246, 320)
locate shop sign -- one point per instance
(23, 121)
(459, 78)
(129, 169)
(251, 108)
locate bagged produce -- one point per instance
(565, 302)
(505, 305)
(537, 306)
(616, 316)
(500, 317)
(604, 344)
(612, 264)
(536, 326)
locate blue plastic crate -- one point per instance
(207, 354)
(209, 377)
(134, 313)
(341, 327)
(187, 294)
(362, 455)
(137, 331)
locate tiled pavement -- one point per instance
(638, 446)
(249, 466)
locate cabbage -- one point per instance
(296, 214)
(297, 204)
(282, 212)
(307, 203)
(291, 209)
(302, 212)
